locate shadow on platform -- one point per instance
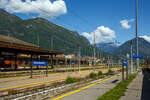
(146, 85)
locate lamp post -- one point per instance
(137, 51)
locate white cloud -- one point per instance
(101, 34)
(147, 38)
(87, 35)
(44, 8)
(125, 23)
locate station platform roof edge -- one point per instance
(9, 44)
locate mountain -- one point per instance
(47, 35)
(109, 48)
(144, 48)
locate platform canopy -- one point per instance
(13, 45)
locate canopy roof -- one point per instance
(14, 45)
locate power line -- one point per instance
(79, 17)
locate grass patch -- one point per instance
(92, 75)
(110, 71)
(70, 80)
(100, 73)
(118, 90)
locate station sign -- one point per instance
(125, 63)
(136, 56)
(69, 56)
(39, 63)
(73, 63)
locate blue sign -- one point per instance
(125, 63)
(73, 63)
(39, 63)
(80, 57)
(136, 56)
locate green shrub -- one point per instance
(110, 71)
(92, 75)
(100, 73)
(70, 80)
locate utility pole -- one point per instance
(94, 58)
(100, 55)
(122, 72)
(70, 63)
(51, 42)
(79, 59)
(38, 41)
(127, 68)
(94, 51)
(137, 51)
(131, 62)
(112, 61)
(108, 62)
(100, 58)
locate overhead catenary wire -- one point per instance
(73, 13)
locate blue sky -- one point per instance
(108, 13)
(88, 15)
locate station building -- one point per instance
(16, 54)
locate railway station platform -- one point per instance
(139, 88)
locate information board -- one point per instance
(39, 63)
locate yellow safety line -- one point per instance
(35, 83)
(83, 88)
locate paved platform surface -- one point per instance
(134, 89)
(93, 92)
(139, 88)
